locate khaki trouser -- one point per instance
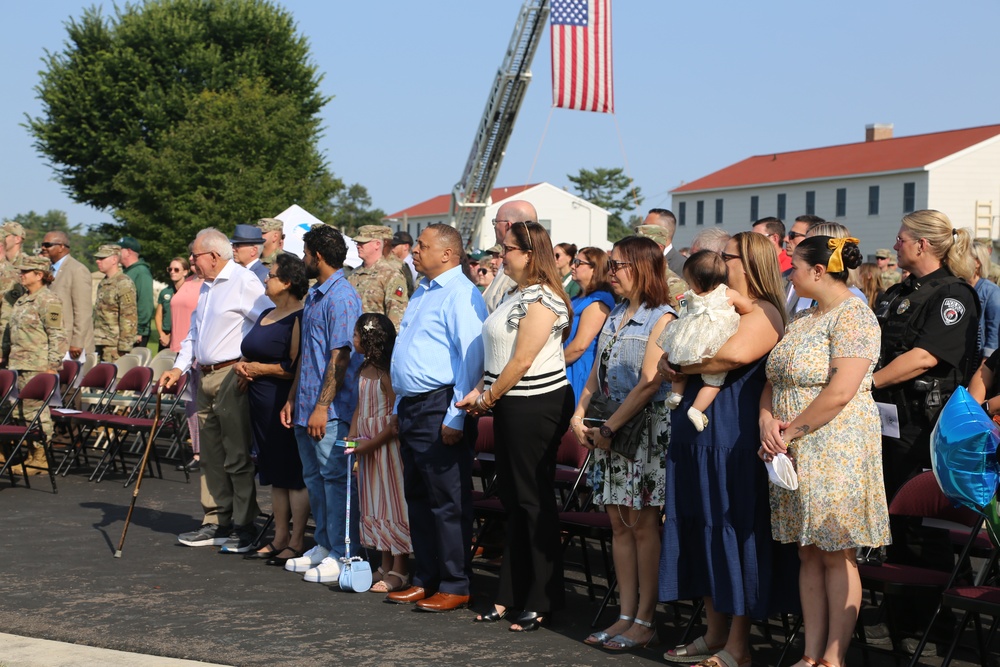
(107, 353)
(229, 494)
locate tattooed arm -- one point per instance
(333, 380)
(846, 376)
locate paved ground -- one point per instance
(60, 582)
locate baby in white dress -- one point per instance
(709, 316)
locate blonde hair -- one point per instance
(981, 260)
(870, 282)
(837, 231)
(760, 264)
(950, 245)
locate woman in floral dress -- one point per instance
(631, 490)
(817, 408)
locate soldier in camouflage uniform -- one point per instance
(675, 283)
(116, 317)
(35, 342)
(890, 274)
(273, 231)
(10, 282)
(379, 283)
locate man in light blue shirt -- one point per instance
(437, 360)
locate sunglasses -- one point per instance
(49, 245)
(726, 256)
(578, 262)
(173, 270)
(794, 235)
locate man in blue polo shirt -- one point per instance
(323, 398)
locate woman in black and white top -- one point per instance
(526, 387)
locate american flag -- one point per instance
(581, 55)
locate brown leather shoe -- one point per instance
(408, 596)
(443, 602)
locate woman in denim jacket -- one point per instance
(631, 490)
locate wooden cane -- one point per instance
(142, 469)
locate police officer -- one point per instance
(115, 314)
(930, 328)
(35, 342)
(379, 283)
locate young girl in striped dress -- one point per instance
(384, 524)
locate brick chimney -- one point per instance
(878, 131)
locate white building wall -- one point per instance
(957, 183)
(874, 231)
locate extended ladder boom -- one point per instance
(471, 194)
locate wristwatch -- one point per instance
(606, 432)
(986, 407)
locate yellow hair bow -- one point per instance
(836, 262)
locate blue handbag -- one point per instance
(964, 452)
(356, 572)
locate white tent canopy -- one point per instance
(298, 221)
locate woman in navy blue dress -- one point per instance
(717, 531)
(267, 369)
(590, 309)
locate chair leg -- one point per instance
(954, 642)
(612, 585)
(790, 636)
(695, 617)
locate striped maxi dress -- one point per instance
(384, 524)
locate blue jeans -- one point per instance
(324, 470)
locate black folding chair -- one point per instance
(25, 431)
(95, 388)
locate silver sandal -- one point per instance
(598, 638)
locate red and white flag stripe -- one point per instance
(581, 55)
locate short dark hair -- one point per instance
(292, 270)
(449, 236)
(664, 213)
(705, 270)
(811, 220)
(328, 243)
(773, 225)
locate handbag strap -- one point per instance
(347, 522)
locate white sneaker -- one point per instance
(673, 400)
(308, 560)
(327, 572)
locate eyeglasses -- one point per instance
(49, 245)
(794, 235)
(497, 221)
(900, 239)
(615, 267)
(510, 248)
(196, 255)
(272, 276)
(726, 256)
(578, 262)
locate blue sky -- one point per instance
(698, 85)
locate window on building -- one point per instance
(810, 202)
(841, 202)
(718, 211)
(547, 224)
(909, 197)
(682, 209)
(781, 206)
(754, 208)
(699, 215)
(872, 200)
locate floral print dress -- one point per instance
(840, 502)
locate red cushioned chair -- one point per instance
(8, 380)
(16, 436)
(68, 372)
(132, 395)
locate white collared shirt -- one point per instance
(667, 249)
(228, 307)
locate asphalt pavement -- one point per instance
(61, 583)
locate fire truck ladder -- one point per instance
(471, 195)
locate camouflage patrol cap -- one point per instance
(12, 228)
(34, 263)
(107, 250)
(373, 233)
(655, 232)
(883, 253)
(495, 250)
(270, 225)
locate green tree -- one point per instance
(352, 209)
(178, 114)
(613, 191)
(82, 241)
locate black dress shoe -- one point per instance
(194, 465)
(278, 561)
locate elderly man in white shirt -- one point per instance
(517, 210)
(230, 301)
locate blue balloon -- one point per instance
(964, 452)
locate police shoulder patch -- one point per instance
(952, 311)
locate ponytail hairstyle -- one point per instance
(950, 245)
(822, 249)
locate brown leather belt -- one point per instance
(211, 368)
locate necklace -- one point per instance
(839, 299)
